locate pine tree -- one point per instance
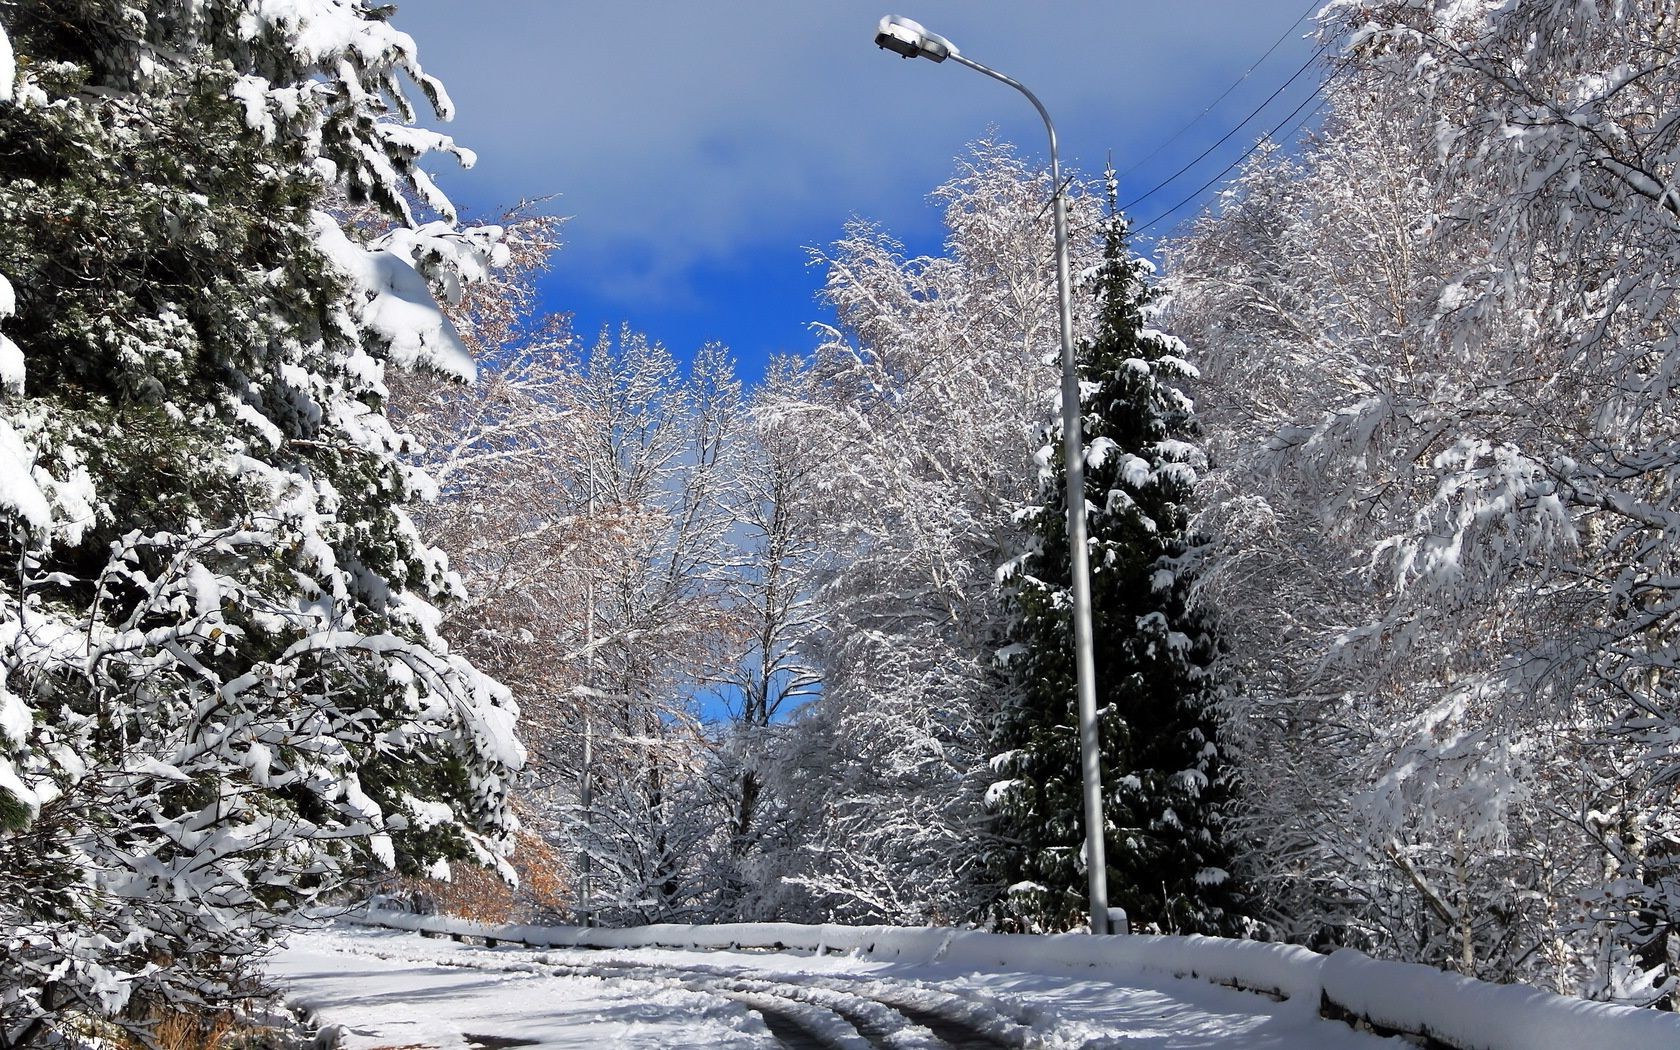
(221, 687)
(1166, 777)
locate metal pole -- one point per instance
(1096, 857)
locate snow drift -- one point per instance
(1454, 1011)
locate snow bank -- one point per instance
(1285, 970)
(1475, 1015)
(1454, 1011)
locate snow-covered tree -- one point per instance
(1555, 495)
(1167, 781)
(657, 445)
(1308, 274)
(630, 538)
(512, 510)
(927, 392)
(777, 473)
(1454, 455)
(223, 689)
(513, 517)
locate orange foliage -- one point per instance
(479, 895)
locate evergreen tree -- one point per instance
(221, 687)
(1166, 778)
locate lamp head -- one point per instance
(907, 38)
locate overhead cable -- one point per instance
(1170, 179)
(1224, 94)
(1267, 137)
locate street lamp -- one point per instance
(910, 39)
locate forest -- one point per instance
(338, 565)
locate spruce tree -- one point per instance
(1166, 779)
(221, 687)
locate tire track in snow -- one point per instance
(891, 1015)
(792, 1024)
(831, 1012)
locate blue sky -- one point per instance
(700, 145)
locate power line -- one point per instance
(1170, 179)
(1226, 93)
(1268, 136)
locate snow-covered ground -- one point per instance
(398, 990)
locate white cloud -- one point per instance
(688, 132)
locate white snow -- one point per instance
(1098, 984)
(8, 67)
(13, 785)
(15, 722)
(252, 93)
(15, 716)
(913, 32)
(264, 427)
(151, 766)
(1098, 451)
(11, 365)
(11, 355)
(391, 989)
(400, 308)
(1134, 471)
(403, 311)
(19, 493)
(424, 995)
(1475, 1015)
(426, 815)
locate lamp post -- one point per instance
(911, 40)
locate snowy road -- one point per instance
(395, 990)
